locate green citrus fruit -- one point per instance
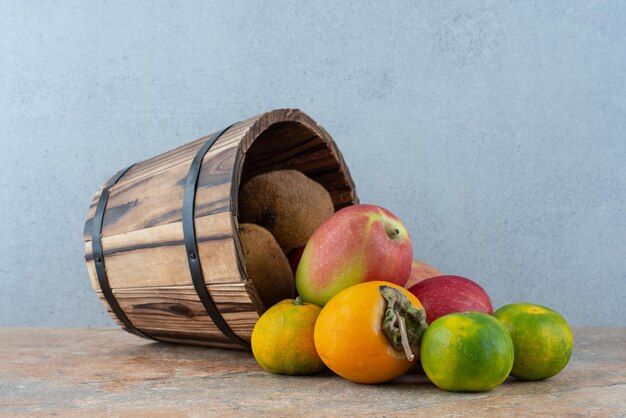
(282, 339)
(466, 352)
(542, 339)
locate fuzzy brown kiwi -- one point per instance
(266, 264)
(287, 203)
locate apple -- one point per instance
(421, 271)
(442, 295)
(294, 257)
(357, 244)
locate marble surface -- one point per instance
(107, 372)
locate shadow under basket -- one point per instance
(161, 241)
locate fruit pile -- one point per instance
(366, 309)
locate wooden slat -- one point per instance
(164, 176)
(183, 154)
(230, 297)
(167, 265)
(157, 256)
(177, 309)
(180, 155)
(281, 142)
(202, 327)
(157, 200)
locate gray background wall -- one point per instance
(495, 130)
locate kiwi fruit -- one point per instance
(287, 203)
(266, 264)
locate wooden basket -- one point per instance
(144, 222)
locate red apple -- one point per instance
(294, 257)
(448, 294)
(421, 271)
(357, 244)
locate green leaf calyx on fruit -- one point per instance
(401, 317)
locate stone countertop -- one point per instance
(94, 372)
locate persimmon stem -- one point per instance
(402, 323)
(404, 338)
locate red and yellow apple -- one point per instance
(421, 271)
(357, 244)
(443, 295)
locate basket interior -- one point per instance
(297, 146)
(293, 145)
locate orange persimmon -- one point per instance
(370, 333)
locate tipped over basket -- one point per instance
(161, 241)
